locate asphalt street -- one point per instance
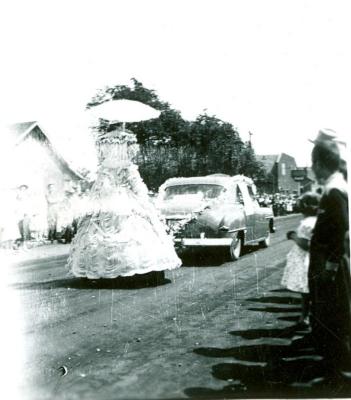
(211, 329)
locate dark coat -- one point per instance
(329, 278)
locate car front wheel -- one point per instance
(235, 248)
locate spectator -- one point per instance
(24, 214)
(53, 201)
(275, 206)
(289, 206)
(329, 277)
(295, 276)
(39, 219)
(330, 135)
(66, 221)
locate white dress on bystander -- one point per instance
(295, 276)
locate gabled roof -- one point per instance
(16, 133)
(268, 161)
(20, 130)
(292, 158)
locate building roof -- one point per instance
(20, 130)
(268, 161)
(17, 133)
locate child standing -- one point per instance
(295, 276)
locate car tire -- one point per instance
(271, 226)
(235, 248)
(266, 241)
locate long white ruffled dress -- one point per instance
(295, 275)
(121, 234)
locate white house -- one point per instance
(28, 157)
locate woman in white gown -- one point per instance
(120, 233)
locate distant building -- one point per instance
(305, 178)
(283, 175)
(28, 157)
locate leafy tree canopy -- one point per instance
(171, 146)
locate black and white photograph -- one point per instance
(174, 217)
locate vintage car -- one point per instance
(215, 210)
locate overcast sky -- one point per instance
(280, 69)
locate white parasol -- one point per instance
(124, 111)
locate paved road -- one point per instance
(212, 329)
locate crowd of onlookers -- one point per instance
(282, 204)
(30, 217)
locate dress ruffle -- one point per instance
(120, 233)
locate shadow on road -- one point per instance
(132, 282)
(202, 258)
(276, 299)
(283, 364)
(34, 261)
(276, 309)
(210, 257)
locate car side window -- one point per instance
(252, 194)
(239, 195)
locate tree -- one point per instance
(171, 146)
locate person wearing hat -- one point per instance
(326, 136)
(24, 214)
(329, 276)
(53, 202)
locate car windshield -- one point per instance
(207, 191)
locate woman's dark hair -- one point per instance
(308, 203)
(327, 154)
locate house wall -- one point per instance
(274, 175)
(33, 163)
(285, 182)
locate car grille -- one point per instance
(191, 229)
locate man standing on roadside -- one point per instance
(53, 202)
(24, 209)
(329, 275)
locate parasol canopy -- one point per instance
(124, 111)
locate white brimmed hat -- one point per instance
(324, 135)
(327, 137)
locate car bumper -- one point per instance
(204, 242)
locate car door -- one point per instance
(250, 211)
(261, 225)
(231, 210)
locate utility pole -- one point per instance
(250, 134)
